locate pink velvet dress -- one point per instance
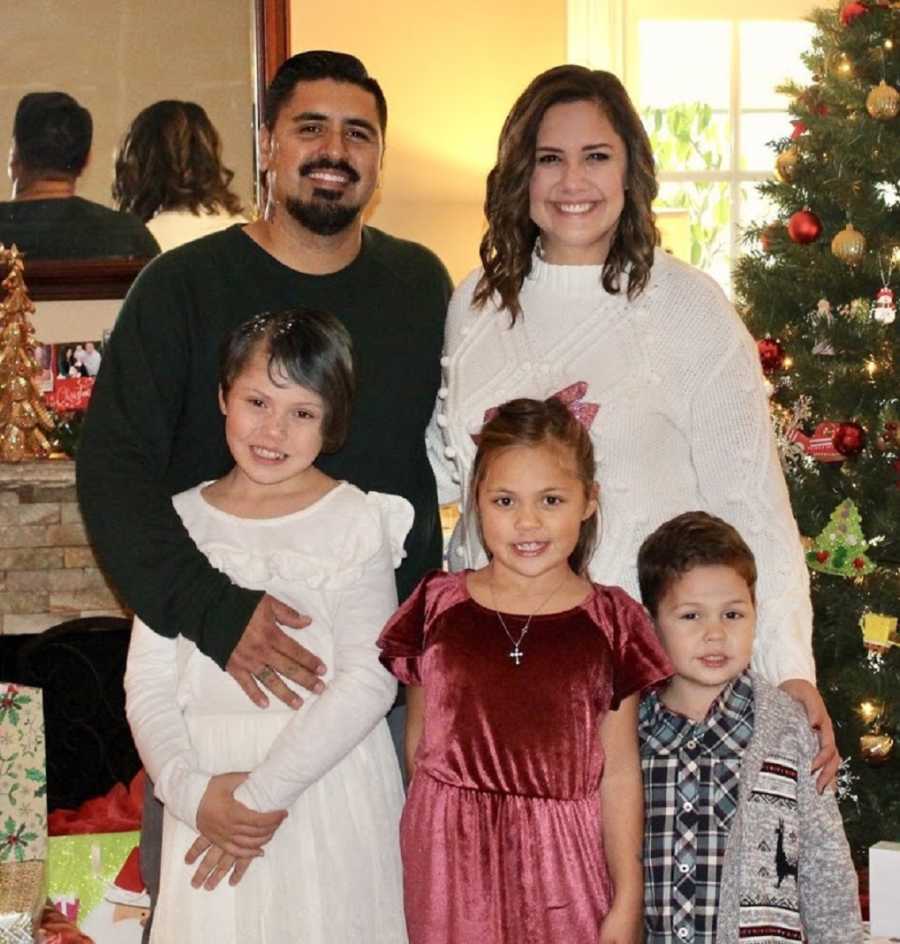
(501, 834)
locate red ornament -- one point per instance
(849, 439)
(852, 11)
(822, 556)
(799, 129)
(804, 227)
(858, 563)
(771, 355)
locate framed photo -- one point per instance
(73, 366)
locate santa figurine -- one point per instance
(120, 917)
(885, 309)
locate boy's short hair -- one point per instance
(694, 539)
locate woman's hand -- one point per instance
(827, 761)
(622, 925)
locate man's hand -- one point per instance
(228, 824)
(827, 761)
(215, 865)
(265, 653)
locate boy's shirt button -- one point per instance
(688, 807)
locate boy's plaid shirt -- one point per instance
(691, 776)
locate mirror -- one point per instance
(118, 56)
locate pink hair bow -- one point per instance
(572, 397)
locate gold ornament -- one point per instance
(883, 102)
(876, 748)
(22, 414)
(849, 245)
(786, 165)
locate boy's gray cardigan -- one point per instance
(787, 873)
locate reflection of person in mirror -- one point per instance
(51, 147)
(169, 172)
(153, 428)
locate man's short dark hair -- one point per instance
(52, 133)
(694, 539)
(315, 65)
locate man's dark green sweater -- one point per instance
(73, 228)
(154, 427)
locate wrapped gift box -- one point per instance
(23, 812)
(94, 881)
(884, 884)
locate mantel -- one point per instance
(48, 573)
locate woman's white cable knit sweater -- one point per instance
(683, 423)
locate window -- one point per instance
(703, 73)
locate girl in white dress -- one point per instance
(331, 873)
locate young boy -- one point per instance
(738, 845)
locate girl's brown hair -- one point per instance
(508, 244)
(526, 422)
(171, 159)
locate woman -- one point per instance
(169, 172)
(574, 296)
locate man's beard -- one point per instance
(324, 215)
(321, 215)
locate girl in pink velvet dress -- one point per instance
(524, 817)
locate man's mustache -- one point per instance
(323, 163)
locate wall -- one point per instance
(450, 74)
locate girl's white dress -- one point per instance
(332, 872)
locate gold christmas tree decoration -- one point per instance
(849, 245)
(23, 416)
(786, 164)
(883, 102)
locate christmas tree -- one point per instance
(818, 289)
(23, 416)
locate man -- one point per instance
(51, 146)
(154, 426)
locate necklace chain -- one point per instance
(517, 654)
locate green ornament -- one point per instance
(841, 548)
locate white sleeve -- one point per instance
(459, 313)
(358, 696)
(444, 470)
(740, 480)
(157, 724)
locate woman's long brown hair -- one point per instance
(171, 159)
(507, 246)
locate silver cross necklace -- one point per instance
(517, 654)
